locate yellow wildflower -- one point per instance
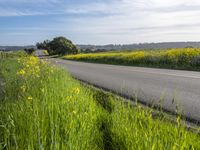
(74, 112)
(30, 98)
(69, 98)
(21, 72)
(76, 90)
(23, 88)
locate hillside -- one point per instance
(142, 46)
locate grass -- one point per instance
(185, 58)
(12, 54)
(43, 107)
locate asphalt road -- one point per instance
(40, 53)
(169, 88)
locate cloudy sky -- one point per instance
(24, 22)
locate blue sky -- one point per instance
(25, 22)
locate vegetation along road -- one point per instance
(174, 90)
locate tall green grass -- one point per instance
(48, 109)
(185, 58)
(4, 54)
(46, 112)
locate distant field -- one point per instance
(182, 58)
(43, 107)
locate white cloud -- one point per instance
(13, 12)
(118, 21)
(144, 21)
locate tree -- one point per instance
(59, 45)
(29, 51)
(43, 45)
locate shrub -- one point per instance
(58, 46)
(195, 61)
(29, 51)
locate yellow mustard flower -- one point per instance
(68, 98)
(23, 88)
(74, 112)
(76, 90)
(30, 98)
(21, 72)
(31, 67)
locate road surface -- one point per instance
(170, 88)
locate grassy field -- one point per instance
(43, 107)
(186, 58)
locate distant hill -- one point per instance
(142, 46)
(15, 48)
(120, 46)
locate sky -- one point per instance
(25, 22)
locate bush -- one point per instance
(195, 61)
(58, 46)
(29, 51)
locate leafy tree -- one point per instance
(43, 45)
(59, 45)
(29, 51)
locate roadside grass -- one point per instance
(11, 54)
(180, 58)
(43, 107)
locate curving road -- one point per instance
(169, 87)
